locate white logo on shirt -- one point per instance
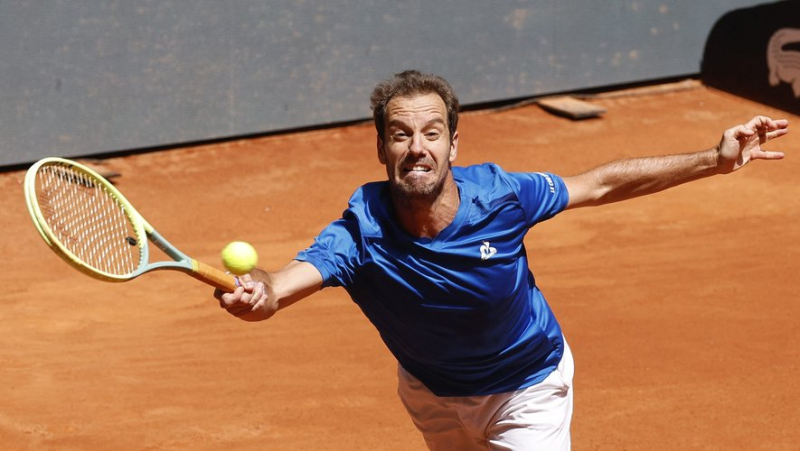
(487, 251)
(550, 183)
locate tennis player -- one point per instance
(434, 257)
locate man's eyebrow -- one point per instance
(398, 122)
(395, 123)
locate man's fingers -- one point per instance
(778, 124)
(259, 296)
(760, 122)
(776, 133)
(766, 126)
(252, 295)
(261, 303)
(769, 155)
(228, 299)
(742, 132)
(249, 296)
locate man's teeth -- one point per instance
(419, 169)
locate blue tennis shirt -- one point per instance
(461, 312)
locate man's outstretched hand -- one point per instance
(743, 143)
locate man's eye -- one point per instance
(432, 135)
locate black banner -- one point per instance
(755, 53)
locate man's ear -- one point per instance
(381, 156)
(454, 147)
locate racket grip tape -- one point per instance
(214, 277)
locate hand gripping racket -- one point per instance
(89, 223)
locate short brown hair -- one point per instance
(407, 84)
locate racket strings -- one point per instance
(86, 218)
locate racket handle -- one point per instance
(214, 277)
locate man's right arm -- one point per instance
(262, 294)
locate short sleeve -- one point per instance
(542, 195)
(334, 252)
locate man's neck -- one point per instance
(425, 218)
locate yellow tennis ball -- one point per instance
(239, 257)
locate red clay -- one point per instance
(681, 308)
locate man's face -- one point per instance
(417, 149)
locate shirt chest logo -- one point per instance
(487, 251)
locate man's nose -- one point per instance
(416, 145)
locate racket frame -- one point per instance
(143, 230)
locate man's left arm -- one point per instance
(626, 179)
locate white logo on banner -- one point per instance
(784, 65)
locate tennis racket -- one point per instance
(89, 223)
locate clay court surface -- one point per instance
(681, 308)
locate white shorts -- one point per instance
(534, 418)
